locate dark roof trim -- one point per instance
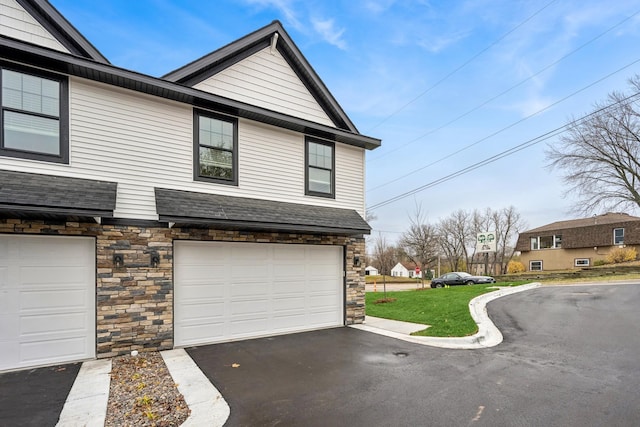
(209, 65)
(29, 54)
(31, 194)
(53, 21)
(187, 208)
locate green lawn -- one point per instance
(446, 309)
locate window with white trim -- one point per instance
(34, 115)
(582, 262)
(546, 242)
(618, 236)
(535, 265)
(320, 170)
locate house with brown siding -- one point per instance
(577, 243)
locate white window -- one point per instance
(546, 242)
(535, 265)
(618, 236)
(582, 262)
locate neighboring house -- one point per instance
(371, 271)
(150, 213)
(405, 269)
(577, 243)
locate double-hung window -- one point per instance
(618, 236)
(320, 171)
(215, 148)
(34, 116)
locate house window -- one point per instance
(320, 176)
(582, 262)
(535, 265)
(34, 116)
(534, 244)
(215, 148)
(618, 236)
(546, 242)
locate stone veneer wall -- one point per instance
(134, 302)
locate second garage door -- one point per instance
(227, 291)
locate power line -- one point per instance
(505, 153)
(476, 108)
(507, 127)
(460, 67)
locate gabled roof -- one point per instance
(213, 63)
(187, 208)
(608, 218)
(61, 62)
(49, 17)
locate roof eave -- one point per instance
(29, 54)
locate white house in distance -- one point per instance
(371, 271)
(406, 269)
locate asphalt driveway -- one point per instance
(570, 357)
(35, 397)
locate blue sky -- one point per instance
(444, 84)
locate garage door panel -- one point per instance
(56, 350)
(40, 327)
(268, 289)
(47, 300)
(202, 291)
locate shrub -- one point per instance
(515, 267)
(599, 262)
(618, 255)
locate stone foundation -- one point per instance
(134, 300)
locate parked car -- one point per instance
(460, 278)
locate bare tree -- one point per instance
(600, 155)
(451, 246)
(507, 223)
(384, 255)
(419, 242)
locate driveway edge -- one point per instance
(207, 405)
(86, 404)
(488, 334)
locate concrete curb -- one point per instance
(207, 405)
(86, 404)
(488, 334)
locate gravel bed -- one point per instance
(143, 393)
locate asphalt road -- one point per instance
(571, 357)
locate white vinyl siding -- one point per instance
(19, 24)
(142, 142)
(266, 80)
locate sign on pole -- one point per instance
(486, 242)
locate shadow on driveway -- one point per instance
(35, 397)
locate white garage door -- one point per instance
(228, 291)
(47, 300)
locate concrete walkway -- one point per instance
(488, 334)
(86, 404)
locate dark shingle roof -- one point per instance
(50, 194)
(191, 208)
(608, 218)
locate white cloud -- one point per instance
(437, 44)
(332, 35)
(285, 7)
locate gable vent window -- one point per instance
(34, 116)
(320, 176)
(216, 148)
